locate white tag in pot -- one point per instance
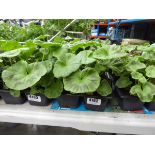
(93, 101)
(34, 98)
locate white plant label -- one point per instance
(34, 98)
(93, 101)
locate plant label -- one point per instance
(34, 98)
(93, 101)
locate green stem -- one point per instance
(43, 57)
(10, 61)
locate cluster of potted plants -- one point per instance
(91, 71)
(135, 80)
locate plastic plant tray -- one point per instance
(56, 106)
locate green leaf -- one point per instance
(43, 37)
(58, 39)
(36, 89)
(148, 52)
(30, 44)
(27, 53)
(149, 55)
(49, 44)
(123, 82)
(7, 45)
(13, 53)
(83, 44)
(15, 93)
(133, 66)
(59, 52)
(150, 71)
(138, 76)
(100, 68)
(48, 64)
(67, 64)
(23, 75)
(55, 89)
(104, 88)
(82, 81)
(148, 92)
(145, 92)
(129, 48)
(46, 80)
(109, 52)
(86, 57)
(135, 89)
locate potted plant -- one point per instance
(134, 82)
(86, 80)
(68, 63)
(47, 88)
(29, 66)
(10, 96)
(131, 74)
(99, 99)
(22, 76)
(126, 100)
(88, 84)
(65, 65)
(109, 57)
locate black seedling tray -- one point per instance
(9, 99)
(96, 102)
(128, 102)
(69, 101)
(38, 99)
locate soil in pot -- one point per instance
(9, 99)
(150, 106)
(69, 101)
(128, 102)
(96, 102)
(38, 99)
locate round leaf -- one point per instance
(145, 92)
(100, 68)
(48, 64)
(83, 44)
(66, 65)
(86, 57)
(59, 52)
(82, 81)
(109, 52)
(55, 89)
(138, 76)
(133, 66)
(13, 53)
(104, 88)
(123, 82)
(23, 75)
(135, 89)
(150, 71)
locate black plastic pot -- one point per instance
(96, 102)
(128, 102)
(9, 99)
(150, 106)
(38, 99)
(69, 101)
